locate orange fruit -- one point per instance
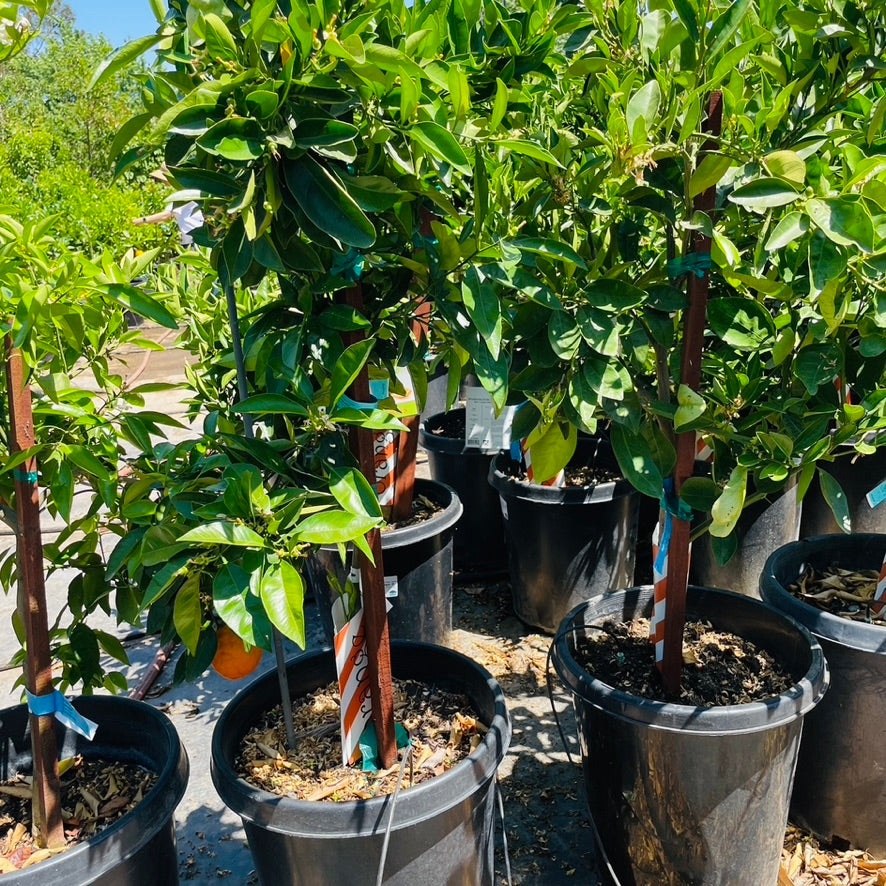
(232, 660)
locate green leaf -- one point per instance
(84, 459)
(613, 295)
(239, 608)
(326, 203)
(598, 329)
(219, 42)
(564, 335)
(818, 365)
(222, 532)
(187, 614)
(484, 309)
(347, 368)
(332, 527)
(844, 220)
(836, 498)
(164, 578)
(791, 227)
(274, 404)
(826, 262)
(352, 491)
(234, 138)
(552, 249)
(441, 143)
(708, 173)
(686, 13)
(282, 594)
(787, 164)
(764, 193)
(499, 105)
(741, 322)
(527, 149)
(551, 452)
(121, 57)
(643, 105)
(690, 406)
(136, 301)
(320, 132)
(699, 493)
(641, 458)
(725, 26)
(728, 507)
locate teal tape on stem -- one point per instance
(673, 507)
(693, 263)
(55, 704)
(25, 476)
(877, 495)
(348, 403)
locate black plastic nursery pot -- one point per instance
(443, 829)
(840, 787)
(419, 557)
(686, 795)
(857, 477)
(479, 539)
(763, 527)
(137, 850)
(566, 545)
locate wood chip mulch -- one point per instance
(719, 668)
(95, 794)
(848, 593)
(443, 728)
(805, 862)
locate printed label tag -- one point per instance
(483, 430)
(877, 495)
(392, 588)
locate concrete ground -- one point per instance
(548, 836)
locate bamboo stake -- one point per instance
(375, 617)
(32, 603)
(690, 375)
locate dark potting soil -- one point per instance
(719, 668)
(577, 477)
(443, 728)
(423, 509)
(94, 794)
(451, 425)
(848, 593)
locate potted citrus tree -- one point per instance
(709, 209)
(330, 150)
(67, 419)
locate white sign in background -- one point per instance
(483, 430)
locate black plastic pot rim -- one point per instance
(439, 493)
(842, 631)
(483, 761)
(790, 705)
(158, 804)
(515, 488)
(440, 442)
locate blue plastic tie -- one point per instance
(25, 476)
(673, 507)
(347, 265)
(697, 263)
(55, 704)
(349, 403)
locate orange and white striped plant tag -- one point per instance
(385, 450)
(880, 592)
(352, 665)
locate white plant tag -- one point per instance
(483, 430)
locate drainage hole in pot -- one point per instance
(443, 727)
(719, 668)
(94, 794)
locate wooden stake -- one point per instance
(32, 603)
(375, 616)
(690, 375)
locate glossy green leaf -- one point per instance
(764, 193)
(836, 499)
(136, 301)
(613, 295)
(708, 173)
(641, 458)
(219, 42)
(234, 138)
(528, 149)
(312, 133)
(274, 404)
(690, 406)
(332, 527)
(223, 532)
(643, 105)
(699, 493)
(552, 249)
(787, 164)
(187, 612)
(791, 227)
(551, 452)
(120, 58)
(725, 25)
(741, 322)
(239, 608)
(844, 220)
(440, 143)
(282, 594)
(499, 104)
(347, 368)
(84, 459)
(728, 507)
(327, 204)
(353, 492)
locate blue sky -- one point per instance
(119, 20)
